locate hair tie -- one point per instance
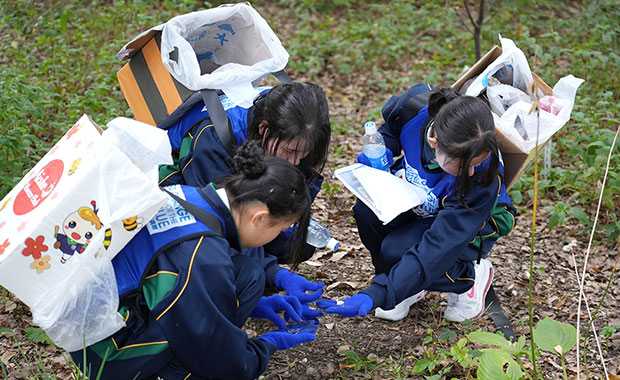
(451, 96)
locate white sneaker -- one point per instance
(470, 305)
(401, 310)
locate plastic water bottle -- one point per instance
(319, 237)
(374, 147)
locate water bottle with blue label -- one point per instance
(374, 147)
(319, 236)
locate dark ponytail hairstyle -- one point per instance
(464, 129)
(274, 182)
(294, 110)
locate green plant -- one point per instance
(331, 189)
(37, 335)
(358, 363)
(442, 348)
(505, 360)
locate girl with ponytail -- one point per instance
(199, 288)
(450, 149)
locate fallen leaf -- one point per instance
(313, 263)
(351, 284)
(343, 348)
(6, 356)
(338, 255)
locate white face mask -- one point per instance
(452, 165)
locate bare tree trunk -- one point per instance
(478, 29)
(476, 24)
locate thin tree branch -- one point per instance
(463, 21)
(471, 18)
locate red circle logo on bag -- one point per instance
(38, 188)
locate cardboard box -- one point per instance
(516, 161)
(81, 203)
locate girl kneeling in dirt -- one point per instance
(200, 289)
(450, 149)
(290, 121)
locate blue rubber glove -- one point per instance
(296, 285)
(269, 307)
(309, 314)
(284, 340)
(359, 304)
(362, 159)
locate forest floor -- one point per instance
(386, 350)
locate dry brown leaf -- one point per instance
(343, 348)
(6, 356)
(338, 255)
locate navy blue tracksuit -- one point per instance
(196, 296)
(429, 247)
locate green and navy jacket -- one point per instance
(421, 168)
(189, 302)
(453, 227)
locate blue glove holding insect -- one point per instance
(359, 304)
(284, 340)
(363, 159)
(296, 285)
(269, 307)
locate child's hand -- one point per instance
(269, 307)
(284, 340)
(296, 285)
(359, 304)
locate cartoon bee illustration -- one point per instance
(5, 203)
(74, 166)
(107, 239)
(132, 223)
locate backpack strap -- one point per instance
(203, 216)
(282, 76)
(220, 120)
(398, 110)
(133, 298)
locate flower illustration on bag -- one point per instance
(4, 246)
(41, 264)
(34, 247)
(21, 227)
(73, 130)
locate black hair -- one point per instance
(294, 110)
(274, 182)
(464, 129)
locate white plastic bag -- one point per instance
(233, 38)
(511, 57)
(511, 107)
(521, 126)
(68, 217)
(502, 96)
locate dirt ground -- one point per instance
(398, 345)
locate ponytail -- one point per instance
(464, 128)
(440, 98)
(273, 182)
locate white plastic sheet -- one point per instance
(233, 39)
